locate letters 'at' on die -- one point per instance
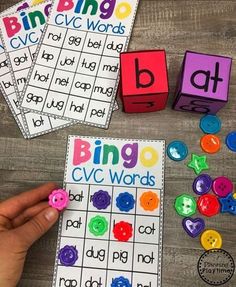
(203, 86)
(144, 81)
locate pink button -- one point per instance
(59, 199)
(222, 186)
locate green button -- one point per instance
(98, 225)
(185, 205)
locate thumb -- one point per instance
(36, 227)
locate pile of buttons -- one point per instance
(221, 200)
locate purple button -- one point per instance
(222, 186)
(101, 199)
(193, 226)
(68, 255)
(202, 184)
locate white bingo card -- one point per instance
(20, 34)
(76, 71)
(131, 175)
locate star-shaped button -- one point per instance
(198, 163)
(228, 204)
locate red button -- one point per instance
(123, 231)
(208, 205)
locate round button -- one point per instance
(208, 205)
(211, 239)
(222, 186)
(234, 195)
(101, 199)
(68, 255)
(121, 282)
(177, 150)
(185, 205)
(210, 143)
(125, 202)
(202, 184)
(59, 199)
(210, 124)
(231, 141)
(149, 201)
(123, 231)
(98, 225)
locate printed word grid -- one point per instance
(113, 232)
(84, 63)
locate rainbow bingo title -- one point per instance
(22, 28)
(115, 162)
(104, 16)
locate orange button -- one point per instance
(149, 201)
(210, 143)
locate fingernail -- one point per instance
(51, 214)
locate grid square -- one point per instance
(78, 196)
(20, 59)
(93, 277)
(36, 123)
(74, 223)
(140, 209)
(78, 244)
(120, 256)
(94, 43)
(55, 103)
(90, 217)
(36, 96)
(7, 84)
(95, 188)
(95, 253)
(114, 46)
(109, 68)
(3, 65)
(88, 64)
(68, 60)
(68, 276)
(147, 229)
(146, 258)
(62, 81)
(41, 77)
(120, 190)
(74, 40)
(103, 89)
(54, 36)
(76, 107)
(97, 112)
(48, 56)
(21, 77)
(82, 86)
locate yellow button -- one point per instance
(234, 195)
(211, 239)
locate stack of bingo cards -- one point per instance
(59, 61)
(110, 235)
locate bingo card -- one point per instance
(76, 71)
(110, 235)
(20, 38)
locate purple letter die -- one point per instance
(204, 83)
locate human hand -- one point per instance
(23, 220)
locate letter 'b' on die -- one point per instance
(144, 81)
(203, 85)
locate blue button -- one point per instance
(120, 282)
(231, 141)
(177, 150)
(228, 204)
(125, 201)
(210, 124)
